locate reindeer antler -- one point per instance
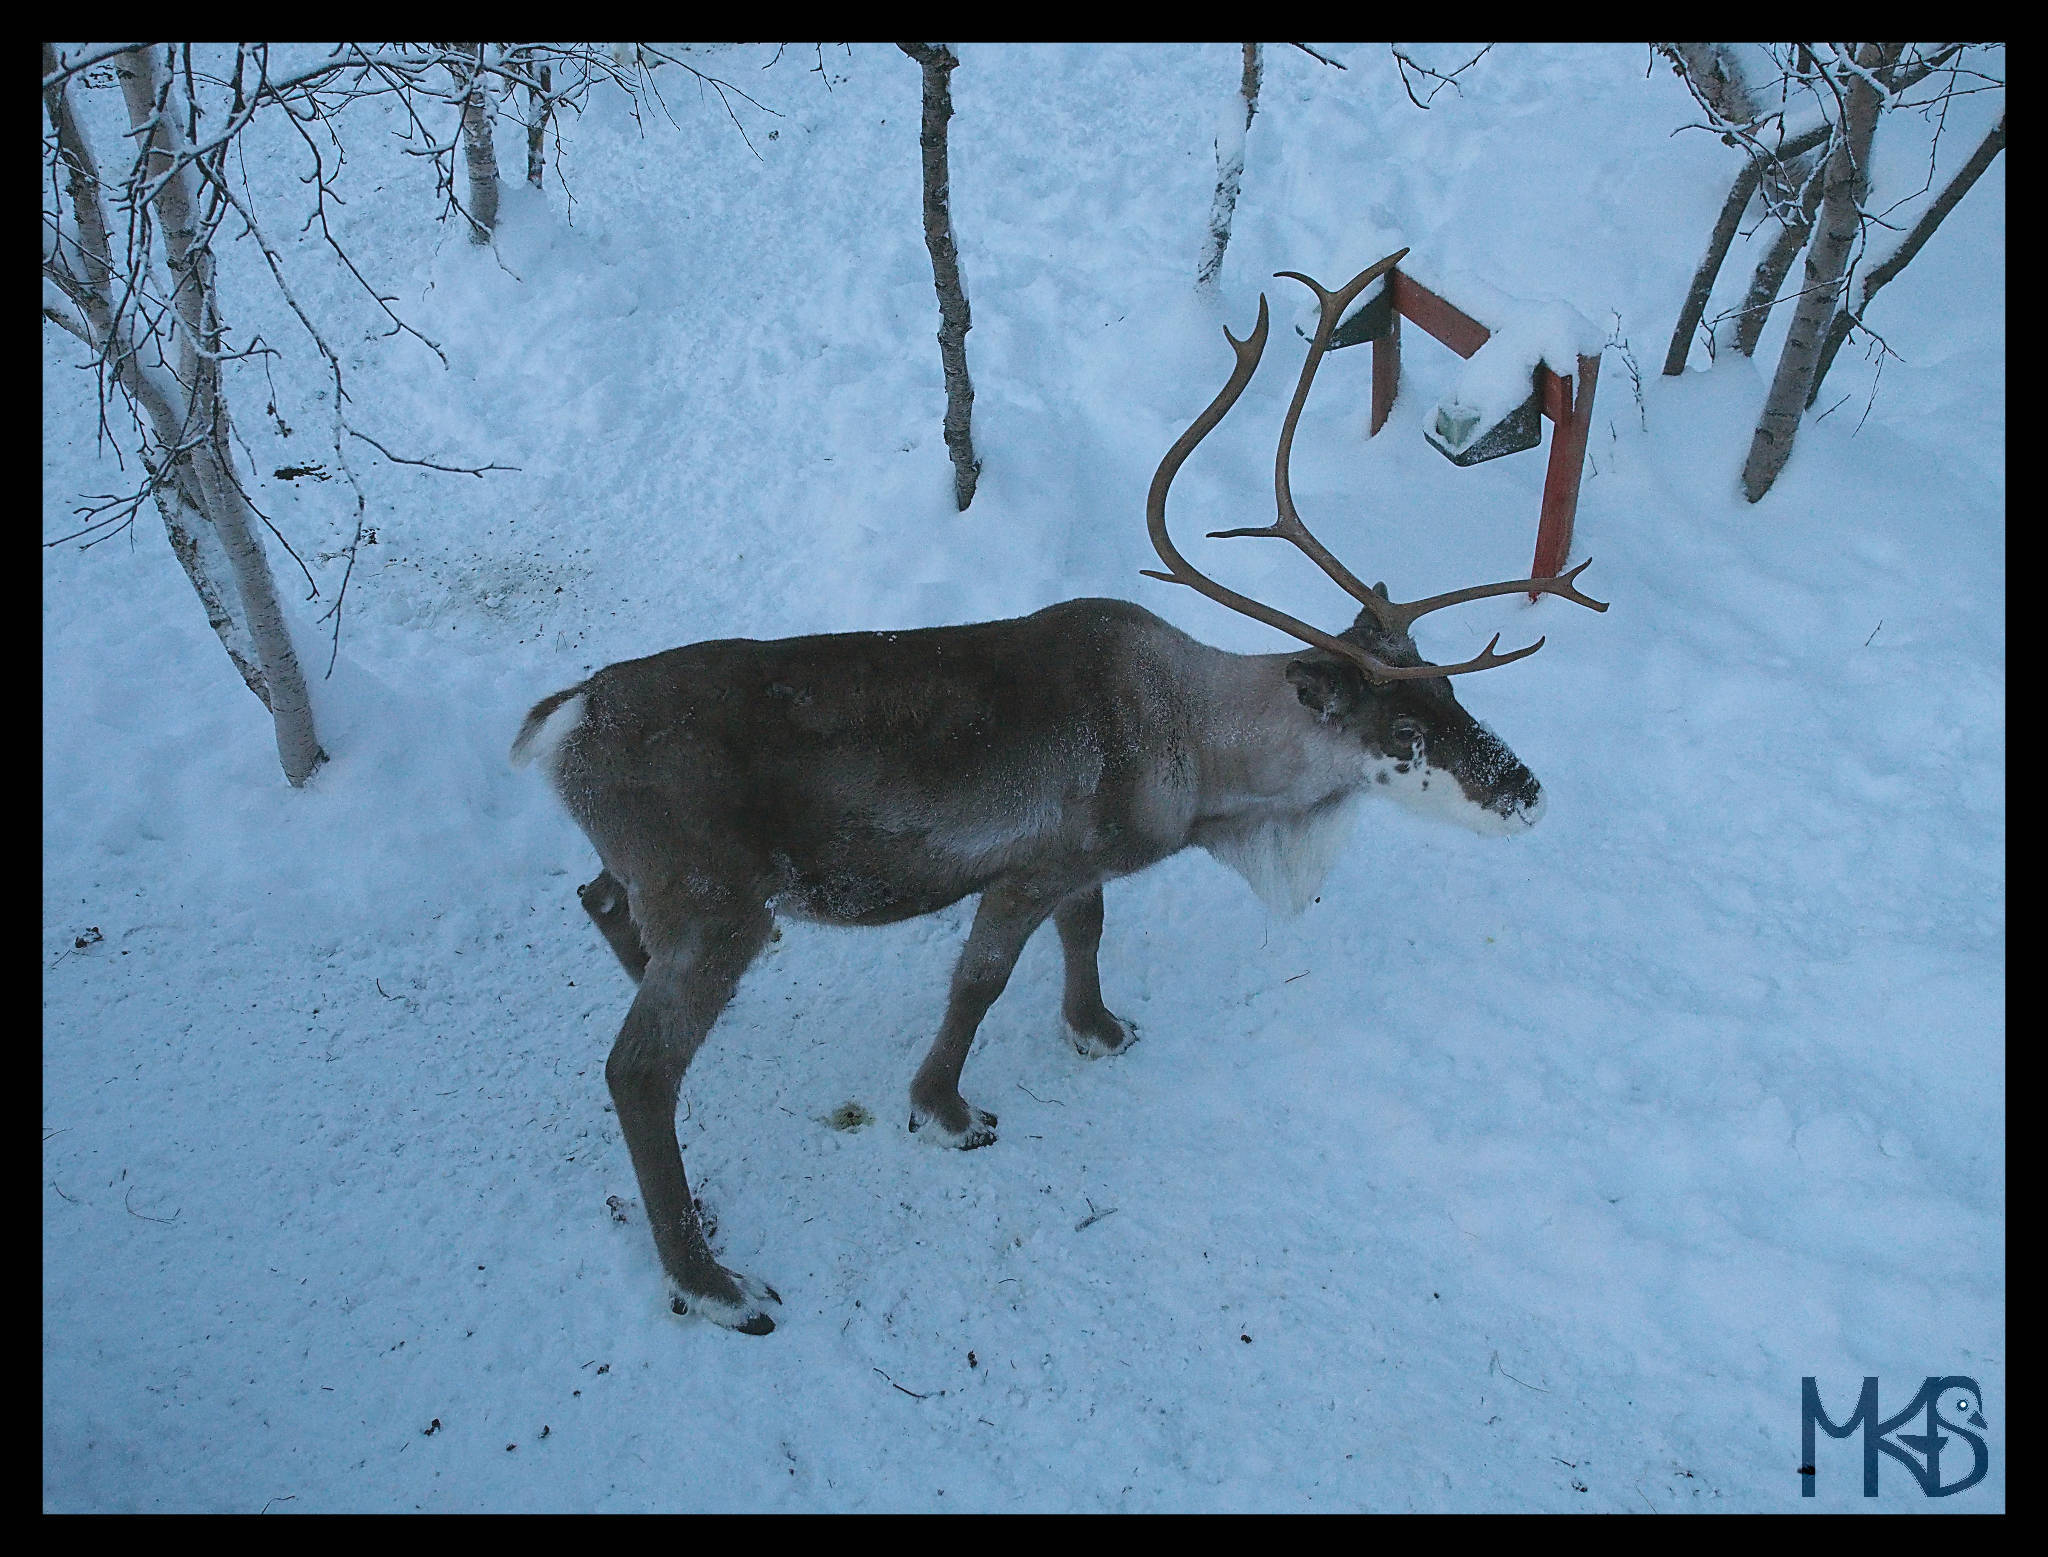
(1287, 525)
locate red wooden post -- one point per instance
(1386, 370)
(1561, 480)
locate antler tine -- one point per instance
(1288, 526)
(1181, 571)
(1404, 612)
(1485, 659)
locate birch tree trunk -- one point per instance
(1827, 259)
(84, 255)
(1694, 308)
(938, 62)
(1696, 299)
(537, 125)
(1713, 72)
(479, 150)
(196, 443)
(1769, 279)
(1230, 150)
(1910, 245)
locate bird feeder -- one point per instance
(1455, 431)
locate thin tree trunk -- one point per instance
(88, 211)
(537, 125)
(206, 479)
(1713, 72)
(190, 532)
(1769, 279)
(90, 286)
(1827, 259)
(937, 62)
(479, 151)
(1910, 245)
(1230, 151)
(1695, 306)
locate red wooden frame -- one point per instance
(1465, 335)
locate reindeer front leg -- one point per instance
(1002, 924)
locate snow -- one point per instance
(1527, 1175)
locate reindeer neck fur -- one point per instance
(1278, 786)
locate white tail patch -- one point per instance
(540, 740)
(1285, 858)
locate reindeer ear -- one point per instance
(1332, 688)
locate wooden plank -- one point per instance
(1451, 325)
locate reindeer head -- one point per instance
(1416, 741)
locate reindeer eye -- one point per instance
(1408, 732)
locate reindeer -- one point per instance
(865, 778)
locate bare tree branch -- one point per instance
(1730, 221)
(401, 459)
(936, 62)
(1405, 62)
(1324, 59)
(57, 75)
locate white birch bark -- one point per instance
(479, 150)
(1772, 269)
(199, 445)
(83, 255)
(1718, 79)
(1827, 262)
(1230, 150)
(537, 125)
(1715, 76)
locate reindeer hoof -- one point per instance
(1104, 1035)
(744, 1309)
(979, 1128)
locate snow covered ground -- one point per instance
(1525, 1175)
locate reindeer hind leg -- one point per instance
(605, 901)
(692, 973)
